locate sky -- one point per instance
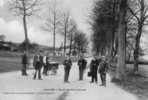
(11, 26)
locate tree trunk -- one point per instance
(26, 33)
(65, 34)
(113, 30)
(54, 42)
(120, 74)
(138, 36)
(25, 26)
(137, 46)
(70, 44)
(54, 34)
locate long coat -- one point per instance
(94, 66)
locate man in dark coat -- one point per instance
(103, 70)
(38, 63)
(82, 66)
(24, 63)
(94, 68)
(67, 66)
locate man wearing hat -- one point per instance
(67, 66)
(103, 70)
(93, 69)
(38, 63)
(82, 65)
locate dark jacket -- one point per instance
(103, 67)
(67, 64)
(94, 65)
(82, 64)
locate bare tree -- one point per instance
(68, 27)
(24, 8)
(66, 19)
(139, 10)
(53, 21)
(81, 42)
(71, 36)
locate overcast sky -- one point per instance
(11, 26)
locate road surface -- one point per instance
(13, 86)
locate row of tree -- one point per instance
(57, 21)
(117, 29)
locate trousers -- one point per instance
(66, 76)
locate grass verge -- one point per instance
(135, 84)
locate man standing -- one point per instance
(103, 70)
(82, 65)
(67, 66)
(46, 63)
(93, 69)
(38, 63)
(24, 64)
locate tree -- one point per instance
(109, 31)
(130, 36)
(31, 46)
(24, 8)
(122, 10)
(53, 21)
(139, 10)
(65, 22)
(71, 36)
(104, 26)
(80, 42)
(67, 29)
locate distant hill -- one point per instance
(12, 46)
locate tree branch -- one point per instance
(134, 14)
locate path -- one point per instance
(16, 87)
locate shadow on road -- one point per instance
(63, 96)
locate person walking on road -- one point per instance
(24, 64)
(38, 63)
(103, 68)
(67, 66)
(82, 66)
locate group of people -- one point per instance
(97, 65)
(39, 62)
(67, 66)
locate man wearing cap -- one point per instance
(82, 65)
(38, 63)
(93, 69)
(67, 66)
(103, 70)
